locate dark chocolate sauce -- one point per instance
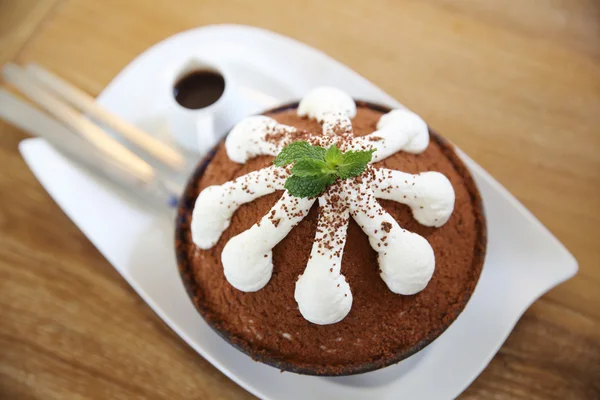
(199, 89)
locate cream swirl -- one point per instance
(323, 100)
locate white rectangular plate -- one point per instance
(523, 260)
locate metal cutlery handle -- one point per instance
(37, 123)
(100, 139)
(86, 103)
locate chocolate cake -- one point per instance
(381, 327)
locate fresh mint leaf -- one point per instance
(315, 168)
(308, 186)
(310, 167)
(353, 163)
(333, 155)
(297, 151)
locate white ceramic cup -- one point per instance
(197, 130)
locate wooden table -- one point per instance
(516, 84)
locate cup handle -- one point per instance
(205, 132)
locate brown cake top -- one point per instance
(381, 324)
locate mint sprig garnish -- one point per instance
(353, 163)
(308, 186)
(297, 151)
(315, 167)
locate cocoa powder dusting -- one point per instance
(386, 226)
(381, 323)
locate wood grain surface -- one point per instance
(516, 84)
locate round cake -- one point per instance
(295, 307)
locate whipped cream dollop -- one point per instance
(249, 138)
(403, 120)
(216, 204)
(323, 100)
(248, 257)
(322, 293)
(429, 195)
(406, 260)
(398, 130)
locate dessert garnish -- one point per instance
(334, 168)
(315, 167)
